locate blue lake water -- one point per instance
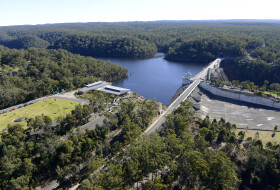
(154, 77)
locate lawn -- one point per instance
(50, 107)
(265, 136)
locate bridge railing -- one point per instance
(207, 67)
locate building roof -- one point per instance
(93, 86)
(104, 87)
(114, 90)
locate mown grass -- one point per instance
(49, 107)
(265, 136)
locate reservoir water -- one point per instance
(154, 77)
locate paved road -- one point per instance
(79, 100)
(157, 123)
(92, 124)
(196, 80)
(52, 185)
(204, 72)
(64, 95)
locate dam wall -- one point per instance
(241, 96)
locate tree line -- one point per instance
(190, 153)
(185, 41)
(187, 152)
(256, 71)
(255, 45)
(29, 74)
(206, 49)
(103, 46)
(29, 157)
(266, 90)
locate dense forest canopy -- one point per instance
(213, 38)
(206, 49)
(102, 46)
(251, 48)
(256, 71)
(247, 45)
(32, 73)
(188, 153)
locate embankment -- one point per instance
(241, 96)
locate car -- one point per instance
(5, 111)
(31, 103)
(20, 106)
(14, 108)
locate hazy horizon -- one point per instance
(29, 12)
(210, 20)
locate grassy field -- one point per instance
(50, 107)
(265, 136)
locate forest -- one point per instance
(256, 71)
(182, 41)
(188, 153)
(32, 73)
(246, 46)
(29, 157)
(102, 46)
(191, 153)
(266, 90)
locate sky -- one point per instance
(21, 12)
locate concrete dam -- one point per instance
(246, 112)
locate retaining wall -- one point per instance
(241, 96)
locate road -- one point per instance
(196, 80)
(70, 95)
(52, 185)
(158, 122)
(92, 124)
(204, 72)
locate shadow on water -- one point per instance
(154, 77)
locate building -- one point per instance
(114, 90)
(93, 86)
(104, 87)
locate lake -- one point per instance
(154, 77)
